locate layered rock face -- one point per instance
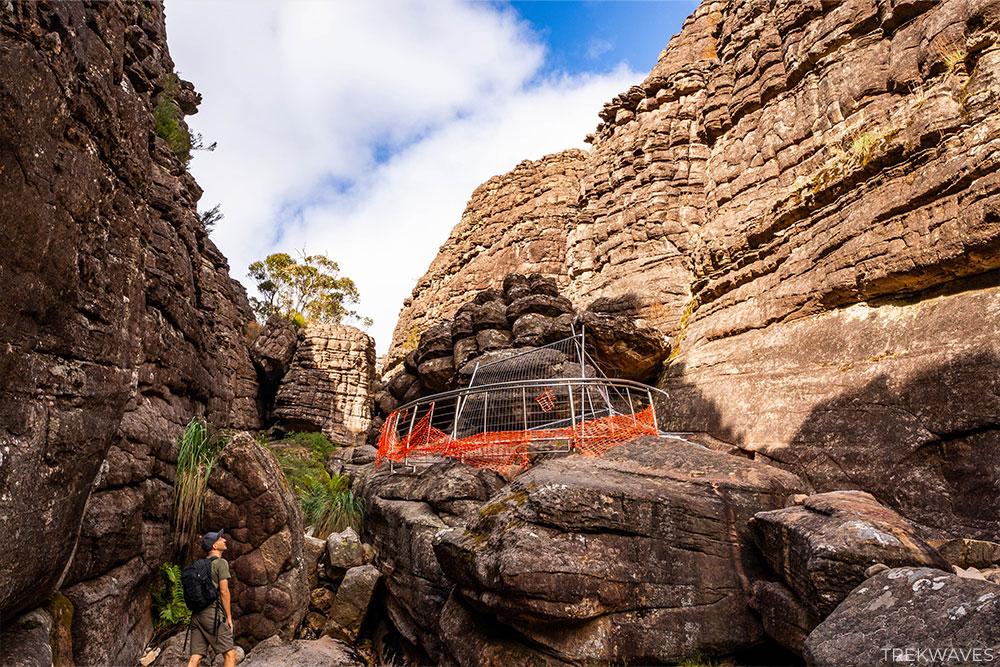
(804, 196)
(641, 555)
(328, 386)
(119, 319)
(514, 222)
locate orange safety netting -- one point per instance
(507, 451)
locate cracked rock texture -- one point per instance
(119, 320)
(642, 555)
(822, 547)
(910, 609)
(328, 386)
(804, 196)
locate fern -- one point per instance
(168, 597)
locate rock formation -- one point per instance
(249, 497)
(803, 196)
(901, 611)
(514, 222)
(328, 385)
(641, 555)
(527, 312)
(119, 319)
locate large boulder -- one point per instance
(273, 349)
(911, 615)
(822, 548)
(249, 498)
(434, 343)
(641, 555)
(329, 385)
(403, 513)
(625, 349)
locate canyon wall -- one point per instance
(804, 195)
(119, 319)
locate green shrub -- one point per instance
(168, 116)
(197, 450)
(317, 442)
(169, 609)
(328, 504)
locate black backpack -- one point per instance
(196, 579)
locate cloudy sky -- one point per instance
(359, 129)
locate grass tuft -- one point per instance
(197, 450)
(328, 504)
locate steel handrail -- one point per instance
(548, 382)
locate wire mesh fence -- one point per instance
(548, 399)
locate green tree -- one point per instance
(308, 289)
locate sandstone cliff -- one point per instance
(516, 222)
(804, 195)
(119, 319)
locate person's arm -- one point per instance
(224, 594)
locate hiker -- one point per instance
(208, 628)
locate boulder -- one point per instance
(312, 551)
(540, 304)
(515, 286)
(434, 343)
(415, 391)
(489, 296)
(248, 497)
(322, 652)
(532, 330)
(27, 641)
(542, 284)
(461, 326)
(403, 513)
(410, 362)
(400, 383)
(344, 551)
(623, 348)
(641, 555)
(910, 615)
(352, 601)
(272, 351)
(472, 642)
(784, 617)
(465, 349)
(822, 548)
(967, 553)
(436, 374)
(386, 402)
(329, 385)
(490, 315)
(490, 340)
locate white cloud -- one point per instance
(300, 96)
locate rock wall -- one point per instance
(803, 195)
(516, 222)
(328, 386)
(119, 319)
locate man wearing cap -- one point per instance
(207, 628)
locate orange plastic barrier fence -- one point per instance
(506, 452)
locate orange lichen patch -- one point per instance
(506, 452)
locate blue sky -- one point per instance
(597, 36)
(360, 129)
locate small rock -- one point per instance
(321, 599)
(875, 569)
(344, 550)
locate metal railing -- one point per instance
(540, 415)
